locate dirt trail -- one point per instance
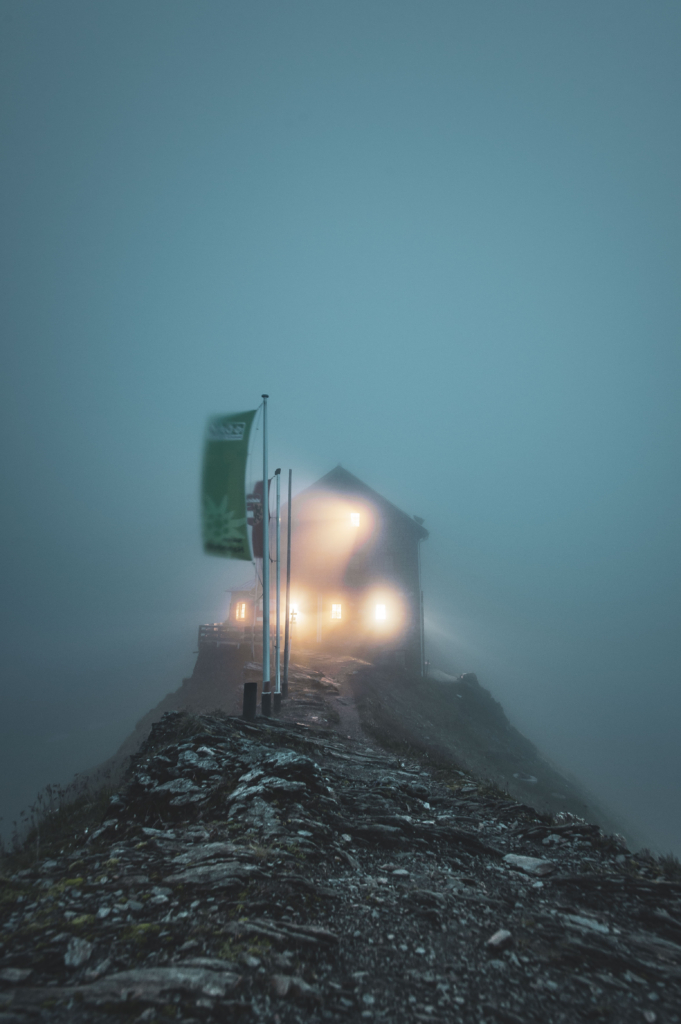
(322, 694)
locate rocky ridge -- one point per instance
(282, 871)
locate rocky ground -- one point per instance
(289, 870)
(452, 721)
(460, 721)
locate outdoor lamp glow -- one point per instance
(335, 611)
(380, 613)
(354, 519)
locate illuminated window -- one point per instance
(241, 610)
(354, 519)
(335, 611)
(294, 612)
(380, 612)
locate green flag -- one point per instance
(223, 486)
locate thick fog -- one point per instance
(444, 237)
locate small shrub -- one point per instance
(671, 867)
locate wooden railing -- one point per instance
(218, 633)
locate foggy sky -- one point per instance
(444, 237)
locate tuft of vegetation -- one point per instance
(260, 852)
(174, 727)
(68, 883)
(232, 949)
(670, 866)
(490, 789)
(404, 749)
(140, 933)
(82, 919)
(59, 821)
(62, 817)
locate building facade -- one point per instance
(355, 571)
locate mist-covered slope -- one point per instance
(457, 720)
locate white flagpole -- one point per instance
(287, 626)
(277, 671)
(266, 691)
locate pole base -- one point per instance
(266, 705)
(250, 701)
(277, 703)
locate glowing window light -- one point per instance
(241, 610)
(380, 613)
(335, 611)
(294, 612)
(354, 519)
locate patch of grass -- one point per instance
(421, 753)
(231, 950)
(261, 852)
(66, 883)
(671, 867)
(493, 791)
(59, 820)
(10, 892)
(140, 933)
(83, 919)
(294, 850)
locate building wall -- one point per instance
(358, 568)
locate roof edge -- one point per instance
(340, 473)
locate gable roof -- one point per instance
(340, 479)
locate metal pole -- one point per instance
(422, 638)
(266, 691)
(255, 614)
(277, 646)
(287, 627)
